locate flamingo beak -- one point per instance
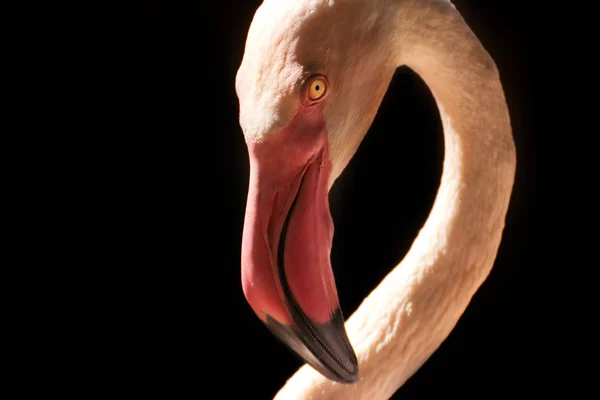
(286, 269)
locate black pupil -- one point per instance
(317, 88)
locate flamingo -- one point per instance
(311, 80)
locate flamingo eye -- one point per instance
(317, 87)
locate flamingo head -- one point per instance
(309, 85)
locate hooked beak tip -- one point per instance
(325, 347)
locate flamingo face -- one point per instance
(304, 110)
(286, 270)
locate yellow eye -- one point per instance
(317, 88)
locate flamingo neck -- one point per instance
(413, 310)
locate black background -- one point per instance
(171, 195)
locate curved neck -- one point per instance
(479, 163)
(412, 311)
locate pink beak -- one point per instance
(286, 269)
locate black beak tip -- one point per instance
(328, 352)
